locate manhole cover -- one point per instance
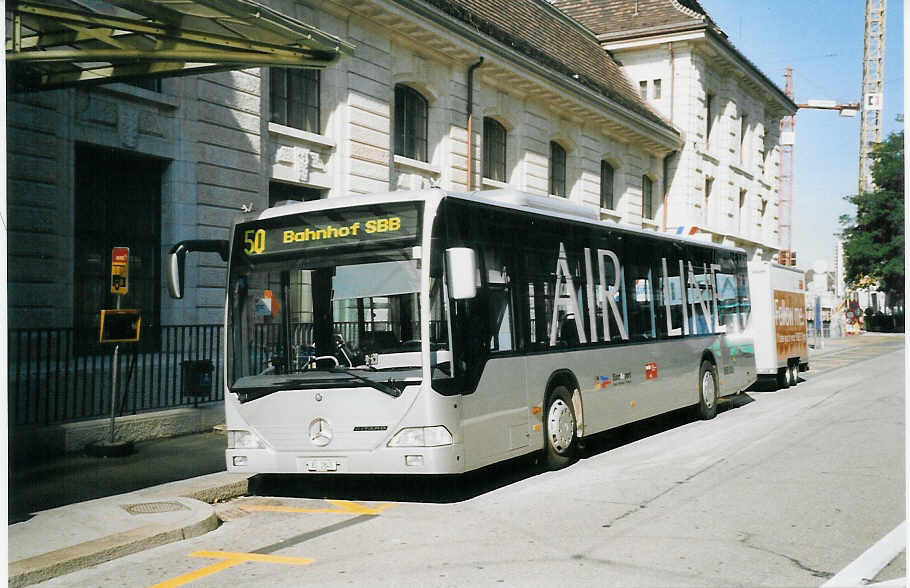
(153, 507)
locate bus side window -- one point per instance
(499, 290)
(638, 281)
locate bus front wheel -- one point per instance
(707, 390)
(560, 429)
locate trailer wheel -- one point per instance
(707, 390)
(793, 374)
(783, 378)
(560, 429)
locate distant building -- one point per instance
(725, 180)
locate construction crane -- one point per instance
(787, 139)
(870, 124)
(870, 131)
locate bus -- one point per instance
(433, 332)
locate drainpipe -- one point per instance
(672, 153)
(471, 123)
(667, 185)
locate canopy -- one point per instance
(68, 42)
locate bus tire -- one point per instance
(707, 391)
(560, 429)
(783, 378)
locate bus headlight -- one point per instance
(244, 440)
(422, 437)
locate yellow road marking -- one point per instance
(260, 557)
(345, 507)
(200, 573)
(229, 559)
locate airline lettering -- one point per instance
(701, 291)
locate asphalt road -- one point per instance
(781, 489)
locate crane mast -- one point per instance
(873, 82)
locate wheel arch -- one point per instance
(708, 355)
(567, 378)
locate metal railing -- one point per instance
(54, 379)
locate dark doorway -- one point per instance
(117, 204)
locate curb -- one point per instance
(196, 495)
(70, 559)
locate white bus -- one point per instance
(433, 333)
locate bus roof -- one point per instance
(508, 198)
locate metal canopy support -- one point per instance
(65, 43)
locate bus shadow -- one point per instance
(447, 489)
(439, 489)
(626, 434)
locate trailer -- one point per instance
(779, 319)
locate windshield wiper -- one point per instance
(386, 387)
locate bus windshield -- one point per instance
(316, 313)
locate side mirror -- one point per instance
(176, 259)
(461, 269)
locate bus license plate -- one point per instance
(321, 465)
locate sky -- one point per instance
(822, 40)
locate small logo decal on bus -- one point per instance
(601, 382)
(622, 378)
(651, 370)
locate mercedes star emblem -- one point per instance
(320, 432)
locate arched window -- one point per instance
(606, 186)
(557, 170)
(647, 198)
(494, 150)
(410, 123)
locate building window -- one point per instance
(494, 150)
(709, 116)
(557, 170)
(117, 204)
(281, 193)
(655, 93)
(743, 220)
(294, 98)
(743, 131)
(410, 123)
(647, 198)
(706, 205)
(643, 89)
(606, 186)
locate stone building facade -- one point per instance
(724, 183)
(145, 167)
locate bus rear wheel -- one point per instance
(707, 391)
(560, 429)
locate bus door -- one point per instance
(495, 416)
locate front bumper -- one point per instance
(448, 459)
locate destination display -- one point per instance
(362, 225)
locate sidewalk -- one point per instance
(62, 540)
(77, 511)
